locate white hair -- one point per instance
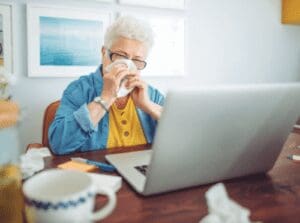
(130, 28)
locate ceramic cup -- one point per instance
(64, 196)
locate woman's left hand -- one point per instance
(141, 98)
(139, 94)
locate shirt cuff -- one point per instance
(82, 116)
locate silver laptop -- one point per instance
(212, 134)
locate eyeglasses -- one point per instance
(113, 56)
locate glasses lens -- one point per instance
(140, 65)
(116, 56)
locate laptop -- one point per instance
(213, 134)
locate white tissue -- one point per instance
(222, 209)
(123, 91)
(32, 161)
(113, 182)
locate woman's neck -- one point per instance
(121, 102)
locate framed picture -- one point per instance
(64, 42)
(6, 61)
(105, 1)
(101, 1)
(167, 57)
(172, 4)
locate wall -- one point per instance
(227, 41)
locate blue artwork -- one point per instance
(70, 42)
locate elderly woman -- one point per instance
(91, 116)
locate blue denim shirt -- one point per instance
(72, 129)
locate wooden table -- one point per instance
(271, 198)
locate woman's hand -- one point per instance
(141, 98)
(111, 82)
(140, 92)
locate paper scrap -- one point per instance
(222, 209)
(71, 165)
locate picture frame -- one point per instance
(99, 1)
(6, 49)
(167, 56)
(105, 1)
(64, 41)
(173, 4)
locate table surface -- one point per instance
(272, 198)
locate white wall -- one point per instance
(242, 41)
(227, 41)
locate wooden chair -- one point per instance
(48, 118)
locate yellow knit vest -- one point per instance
(124, 127)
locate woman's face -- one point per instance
(132, 49)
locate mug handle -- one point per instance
(109, 207)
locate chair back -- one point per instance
(48, 118)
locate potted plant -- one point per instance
(9, 116)
(11, 202)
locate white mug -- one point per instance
(64, 196)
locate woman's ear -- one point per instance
(103, 50)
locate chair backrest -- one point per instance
(48, 118)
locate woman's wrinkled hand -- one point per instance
(139, 94)
(111, 82)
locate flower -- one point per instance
(6, 80)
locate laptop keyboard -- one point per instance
(142, 169)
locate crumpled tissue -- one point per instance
(123, 91)
(222, 209)
(32, 161)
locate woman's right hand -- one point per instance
(111, 82)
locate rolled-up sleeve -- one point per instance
(72, 125)
(83, 118)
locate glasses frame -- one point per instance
(111, 53)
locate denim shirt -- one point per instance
(72, 129)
